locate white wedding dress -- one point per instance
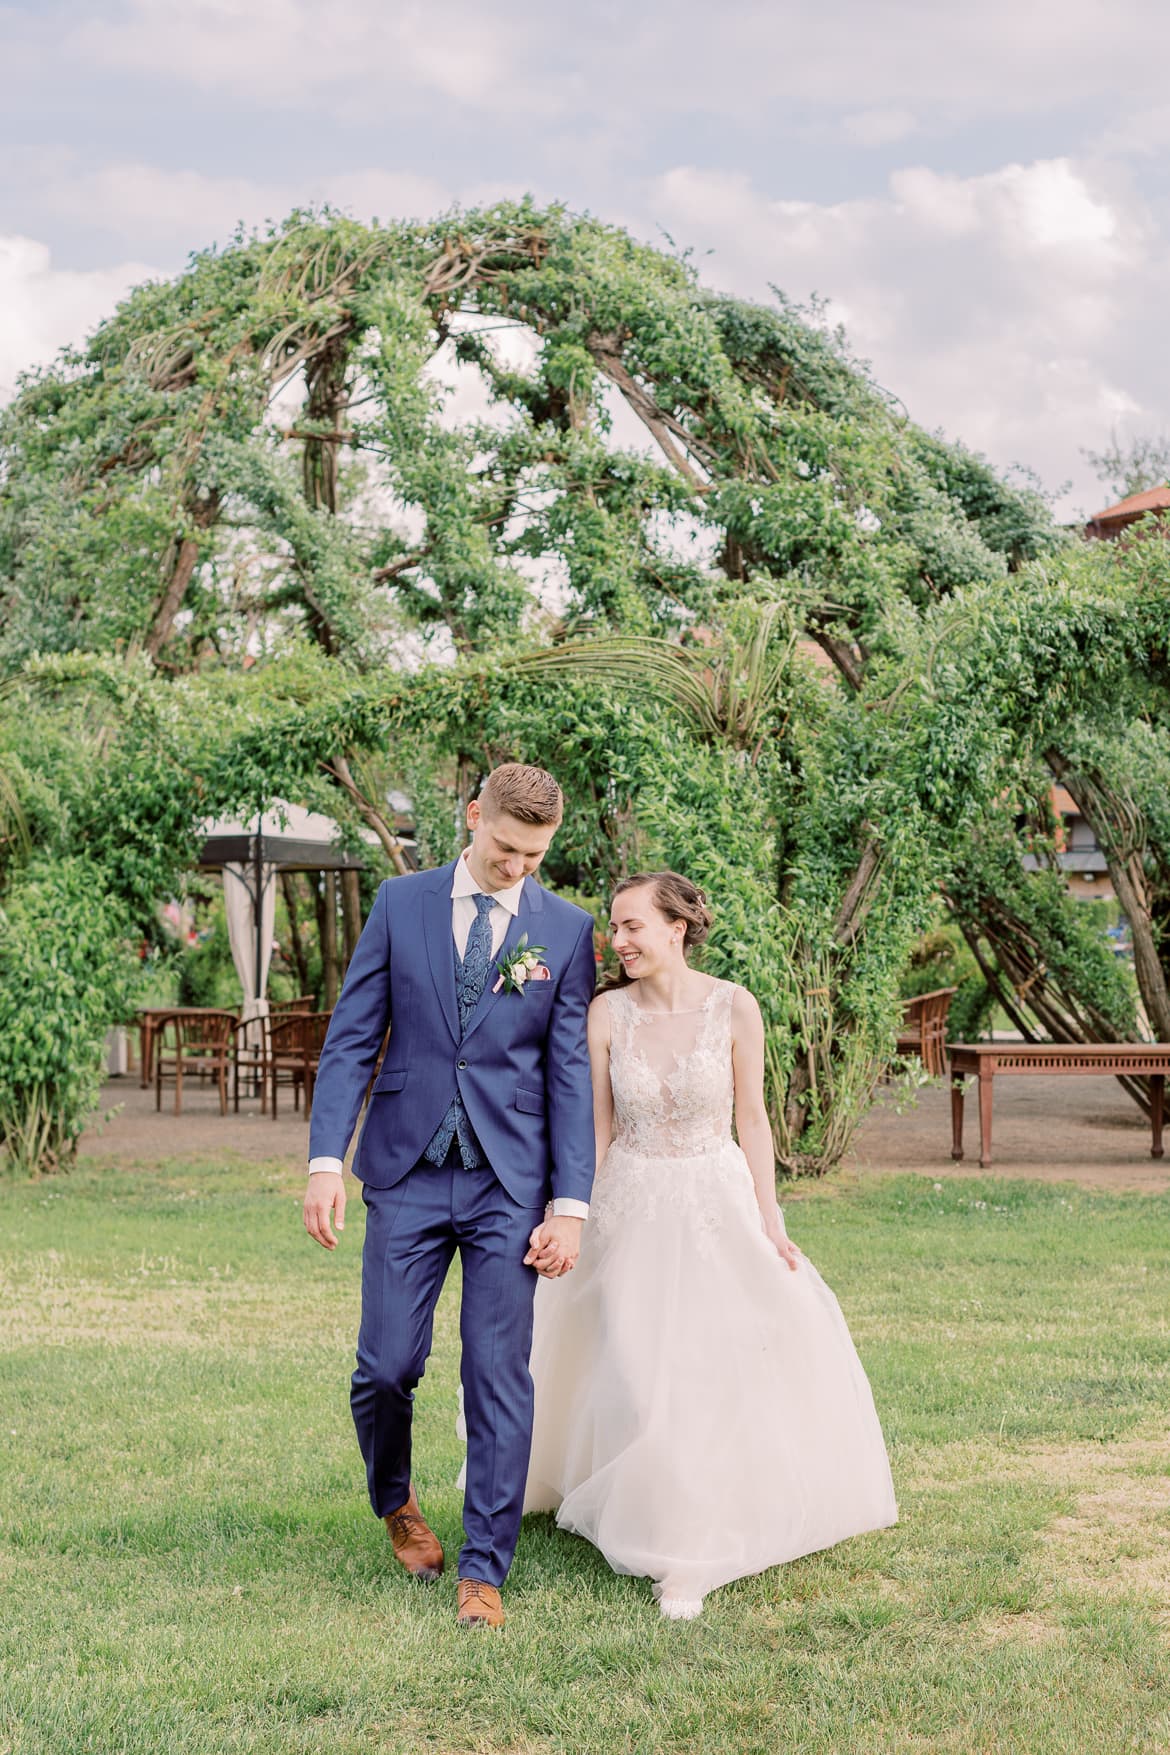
(701, 1413)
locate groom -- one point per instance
(481, 1112)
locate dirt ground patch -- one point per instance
(1085, 1131)
(1116, 1542)
(152, 1307)
(1113, 1541)
(135, 1133)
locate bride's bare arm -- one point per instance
(598, 1032)
(751, 1118)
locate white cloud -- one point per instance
(47, 308)
(181, 210)
(1034, 208)
(173, 211)
(1005, 308)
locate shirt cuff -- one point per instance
(564, 1208)
(334, 1165)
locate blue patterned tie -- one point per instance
(471, 973)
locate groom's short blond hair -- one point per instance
(528, 794)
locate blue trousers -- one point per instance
(412, 1233)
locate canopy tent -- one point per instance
(286, 838)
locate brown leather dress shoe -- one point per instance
(479, 1604)
(415, 1544)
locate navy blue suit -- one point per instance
(521, 1067)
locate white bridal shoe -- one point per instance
(679, 1608)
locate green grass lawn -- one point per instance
(188, 1562)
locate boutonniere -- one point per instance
(521, 964)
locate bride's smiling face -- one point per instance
(644, 940)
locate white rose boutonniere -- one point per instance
(521, 964)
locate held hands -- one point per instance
(554, 1247)
(324, 1199)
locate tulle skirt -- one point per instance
(701, 1412)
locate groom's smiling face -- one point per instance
(503, 849)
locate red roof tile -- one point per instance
(1152, 500)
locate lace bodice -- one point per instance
(671, 1074)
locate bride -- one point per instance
(701, 1413)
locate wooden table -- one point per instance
(150, 1018)
(989, 1060)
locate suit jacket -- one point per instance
(522, 1066)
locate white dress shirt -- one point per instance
(505, 907)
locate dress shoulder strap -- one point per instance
(617, 1004)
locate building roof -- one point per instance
(1134, 506)
(287, 836)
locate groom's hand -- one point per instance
(324, 1199)
(554, 1247)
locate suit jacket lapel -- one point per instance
(441, 945)
(531, 903)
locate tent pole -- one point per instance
(258, 904)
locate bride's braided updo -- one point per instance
(676, 897)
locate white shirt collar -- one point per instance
(465, 885)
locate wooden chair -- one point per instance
(197, 1041)
(251, 1057)
(295, 1042)
(924, 1029)
(304, 1002)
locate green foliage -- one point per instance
(248, 533)
(65, 977)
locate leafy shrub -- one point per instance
(207, 974)
(66, 975)
(943, 958)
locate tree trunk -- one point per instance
(856, 903)
(288, 885)
(1019, 978)
(351, 911)
(1129, 881)
(859, 896)
(1120, 842)
(172, 599)
(1003, 995)
(842, 655)
(330, 972)
(606, 351)
(338, 769)
(181, 562)
(467, 780)
(324, 407)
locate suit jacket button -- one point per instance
(462, 1064)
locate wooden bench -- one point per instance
(988, 1061)
(924, 1029)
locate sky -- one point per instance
(980, 193)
